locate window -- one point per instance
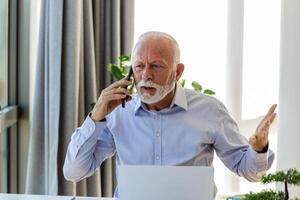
(200, 29)
(261, 56)
(201, 40)
(260, 68)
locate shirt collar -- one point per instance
(178, 100)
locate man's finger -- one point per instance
(122, 82)
(263, 129)
(266, 123)
(260, 137)
(271, 110)
(269, 115)
(119, 90)
(116, 97)
(272, 117)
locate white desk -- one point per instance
(46, 197)
(4, 196)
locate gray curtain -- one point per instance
(77, 38)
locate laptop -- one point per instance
(165, 182)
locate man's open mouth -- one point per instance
(147, 89)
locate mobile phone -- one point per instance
(130, 73)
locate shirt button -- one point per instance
(157, 134)
(157, 157)
(91, 128)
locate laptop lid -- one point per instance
(165, 182)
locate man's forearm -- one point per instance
(82, 157)
(254, 164)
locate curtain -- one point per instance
(76, 40)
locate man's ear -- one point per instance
(179, 70)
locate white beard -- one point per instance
(160, 91)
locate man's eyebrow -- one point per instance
(136, 61)
(159, 61)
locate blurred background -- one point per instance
(53, 57)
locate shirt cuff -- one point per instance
(89, 129)
(260, 162)
(259, 157)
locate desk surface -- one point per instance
(4, 196)
(46, 197)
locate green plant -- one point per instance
(198, 87)
(119, 71)
(265, 195)
(291, 176)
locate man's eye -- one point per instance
(156, 65)
(138, 66)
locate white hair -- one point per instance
(157, 35)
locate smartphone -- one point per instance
(130, 73)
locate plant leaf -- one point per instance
(123, 58)
(196, 86)
(182, 82)
(264, 195)
(125, 69)
(209, 92)
(92, 104)
(122, 69)
(110, 65)
(116, 72)
(131, 88)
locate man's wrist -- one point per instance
(265, 149)
(96, 120)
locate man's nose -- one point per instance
(147, 73)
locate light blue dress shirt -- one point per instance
(186, 133)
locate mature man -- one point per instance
(164, 124)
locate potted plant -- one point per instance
(289, 177)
